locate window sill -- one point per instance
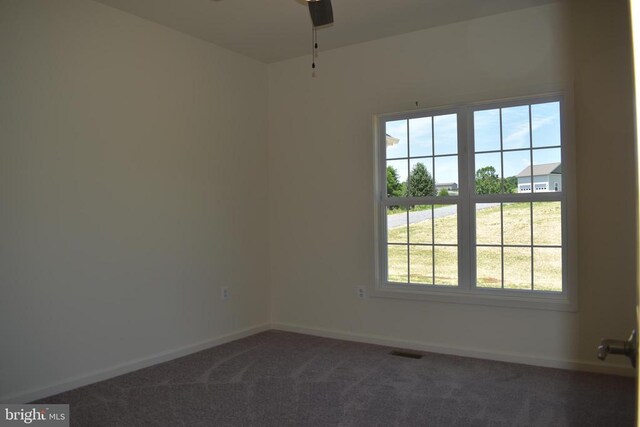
(499, 298)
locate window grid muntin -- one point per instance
(508, 150)
(495, 245)
(438, 156)
(474, 261)
(533, 191)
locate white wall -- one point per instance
(321, 178)
(605, 134)
(133, 164)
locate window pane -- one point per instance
(517, 268)
(516, 218)
(397, 263)
(545, 122)
(422, 264)
(397, 174)
(396, 225)
(446, 176)
(488, 173)
(421, 178)
(517, 172)
(547, 269)
(547, 170)
(446, 134)
(420, 134)
(446, 224)
(486, 126)
(515, 127)
(446, 265)
(489, 267)
(488, 224)
(396, 139)
(420, 224)
(547, 223)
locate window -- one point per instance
(464, 206)
(420, 248)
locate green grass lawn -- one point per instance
(516, 223)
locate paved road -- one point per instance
(397, 220)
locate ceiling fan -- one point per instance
(321, 14)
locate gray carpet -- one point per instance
(284, 379)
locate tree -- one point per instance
(443, 193)
(394, 187)
(420, 182)
(487, 181)
(511, 184)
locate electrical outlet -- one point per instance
(225, 293)
(362, 293)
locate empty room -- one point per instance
(318, 213)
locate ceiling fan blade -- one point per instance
(321, 12)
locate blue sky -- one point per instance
(545, 129)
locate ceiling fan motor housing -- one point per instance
(321, 12)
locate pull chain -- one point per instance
(313, 47)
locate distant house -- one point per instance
(449, 186)
(546, 177)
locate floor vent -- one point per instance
(406, 354)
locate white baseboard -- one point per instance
(126, 367)
(574, 365)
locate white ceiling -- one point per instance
(273, 30)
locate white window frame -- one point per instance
(466, 291)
